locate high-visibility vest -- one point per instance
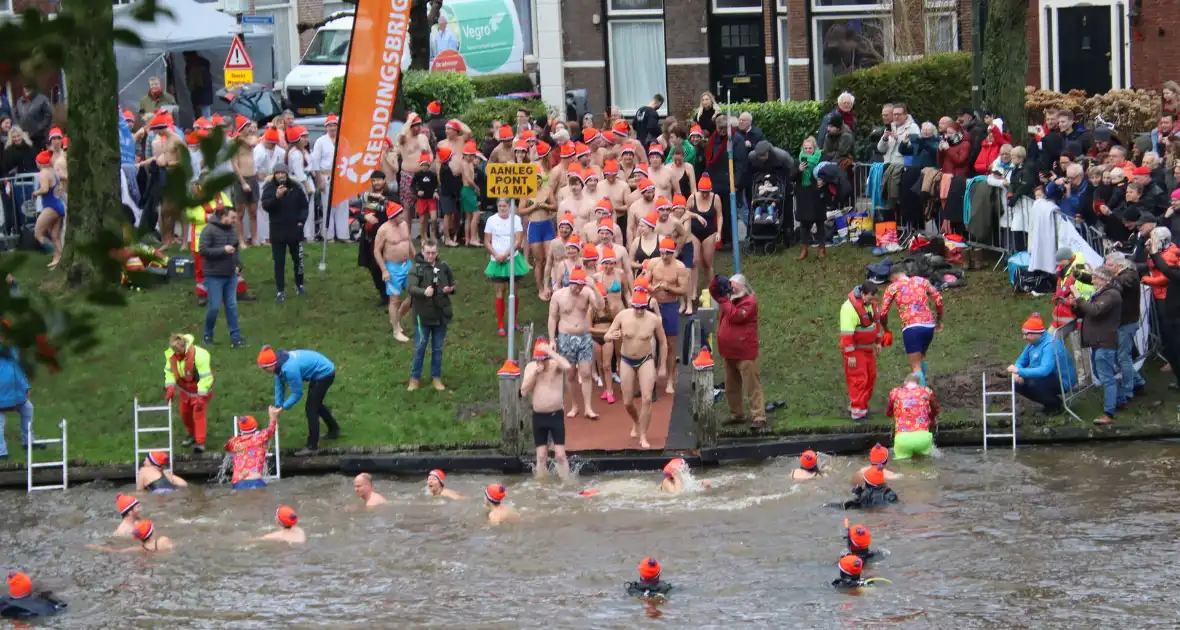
(198, 216)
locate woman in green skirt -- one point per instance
(503, 236)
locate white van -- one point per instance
(326, 58)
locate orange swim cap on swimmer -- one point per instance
(143, 530)
(439, 475)
(44, 158)
(247, 425)
(125, 503)
(577, 276)
(879, 455)
(662, 203)
(859, 537)
(649, 570)
(874, 476)
(851, 564)
(19, 585)
(495, 493)
(674, 465)
(286, 516)
(678, 201)
(808, 460)
(267, 357)
(159, 459)
(588, 493)
(705, 184)
(539, 347)
(589, 252)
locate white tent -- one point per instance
(193, 26)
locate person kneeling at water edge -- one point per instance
(808, 467)
(22, 603)
(288, 531)
(497, 512)
(249, 451)
(290, 369)
(873, 493)
(130, 511)
(914, 408)
(1036, 370)
(851, 567)
(435, 482)
(543, 377)
(155, 477)
(649, 584)
(144, 532)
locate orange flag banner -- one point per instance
(379, 40)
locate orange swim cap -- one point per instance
(143, 530)
(859, 537)
(287, 516)
(874, 476)
(809, 460)
(247, 425)
(879, 455)
(851, 564)
(19, 585)
(674, 465)
(649, 570)
(125, 503)
(495, 493)
(438, 474)
(159, 459)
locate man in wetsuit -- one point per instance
(129, 512)
(187, 368)
(873, 493)
(649, 584)
(372, 215)
(249, 451)
(21, 603)
(918, 323)
(669, 283)
(288, 532)
(544, 377)
(859, 538)
(851, 567)
(363, 486)
(436, 485)
(290, 369)
(569, 324)
(638, 327)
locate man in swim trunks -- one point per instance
(498, 512)
(394, 248)
(638, 328)
(155, 477)
(288, 532)
(914, 408)
(543, 378)
(246, 189)
(436, 485)
(918, 323)
(363, 486)
(669, 283)
(808, 467)
(130, 512)
(569, 324)
(673, 481)
(249, 451)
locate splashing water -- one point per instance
(224, 473)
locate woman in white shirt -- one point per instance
(503, 236)
(298, 167)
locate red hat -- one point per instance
(581, 149)
(607, 254)
(859, 537)
(808, 460)
(578, 276)
(651, 219)
(192, 139)
(159, 459)
(575, 170)
(604, 205)
(589, 252)
(293, 134)
(456, 125)
(240, 123)
(271, 135)
(125, 503)
(392, 209)
(520, 145)
(646, 184)
(705, 184)
(439, 475)
(434, 108)
(874, 476)
(143, 530)
(247, 425)
(504, 133)
(1142, 170)
(567, 218)
(695, 130)
(444, 153)
(590, 173)
(606, 224)
(567, 151)
(217, 120)
(851, 564)
(128, 115)
(528, 135)
(267, 357)
(639, 297)
(662, 204)
(655, 149)
(412, 119)
(674, 465)
(610, 167)
(667, 245)
(608, 136)
(286, 516)
(539, 353)
(879, 455)
(425, 158)
(640, 170)
(65, 142)
(574, 241)
(332, 119)
(470, 148)
(1034, 324)
(202, 123)
(19, 585)
(159, 121)
(589, 134)
(543, 148)
(649, 570)
(627, 148)
(495, 493)
(56, 133)
(678, 201)
(621, 127)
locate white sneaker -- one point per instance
(615, 377)
(597, 380)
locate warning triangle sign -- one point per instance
(238, 58)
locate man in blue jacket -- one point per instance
(1068, 191)
(291, 369)
(14, 396)
(1039, 373)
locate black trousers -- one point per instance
(278, 252)
(1045, 391)
(805, 235)
(316, 410)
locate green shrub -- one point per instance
(488, 85)
(334, 95)
(480, 113)
(453, 90)
(784, 124)
(931, 87)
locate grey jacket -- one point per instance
(35, 115)
(218, 262)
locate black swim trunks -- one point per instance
(546, 424)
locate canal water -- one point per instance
(1061, 537)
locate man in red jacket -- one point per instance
(737, 340)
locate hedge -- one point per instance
(931, 87)
(455, 91)
(488, 85)
(784, 124)
(481, 112)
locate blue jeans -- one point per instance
(1105, 363)
(1129, 378)
(434, 335)
(26, 421)
(222, 289)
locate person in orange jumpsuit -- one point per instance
(187, 368)
(860, 341)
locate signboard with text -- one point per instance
(513, 181)
(239, 68)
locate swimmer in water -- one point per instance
(363, 485)
(872, 493)
(859, 538)
(498, 512)
(289, 531)
(649, 585)
(130, 511)
(808, 467)
(673, 476)
(435, 483)
(155, 477)
(23, 603)
(145, 533)
(851, 567)
(878, 457)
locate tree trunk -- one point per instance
(95, 201)
(419, 36)
(1005, 63)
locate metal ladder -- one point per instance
(1010, 414)
(30, 465)
(273, 453)
(140, 429)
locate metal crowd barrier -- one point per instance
(20, 207)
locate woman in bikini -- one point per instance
(707, 206)
(645, 246)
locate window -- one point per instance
(637, 66)
(942, 33)
(737, 6)
(328, 48)
(6, 6)
(784, 67)
(623, 7)
(740, 36)
(846, 44)
(850, 5)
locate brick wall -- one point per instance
(1032, 33)
(683, 20)
(799, 47)
(582, 40)
(309, 12)
(770, 48)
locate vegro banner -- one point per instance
(477, 37)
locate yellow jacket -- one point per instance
(198, 216)
(194, 379)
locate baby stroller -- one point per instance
(770, 213)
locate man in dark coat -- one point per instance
(370, 217)
(286, 205)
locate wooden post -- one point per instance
(511, 426)
(704, 419)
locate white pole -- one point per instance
(512, 287)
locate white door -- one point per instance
(286, 36)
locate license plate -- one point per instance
(308, 110)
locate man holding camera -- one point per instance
(430, 285)
(737, 341)
(286, 205)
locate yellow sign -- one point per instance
(513, 181)
(238, 77)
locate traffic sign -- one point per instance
(266, 20)
(238, 58)
(513, 181)
(238, 77)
